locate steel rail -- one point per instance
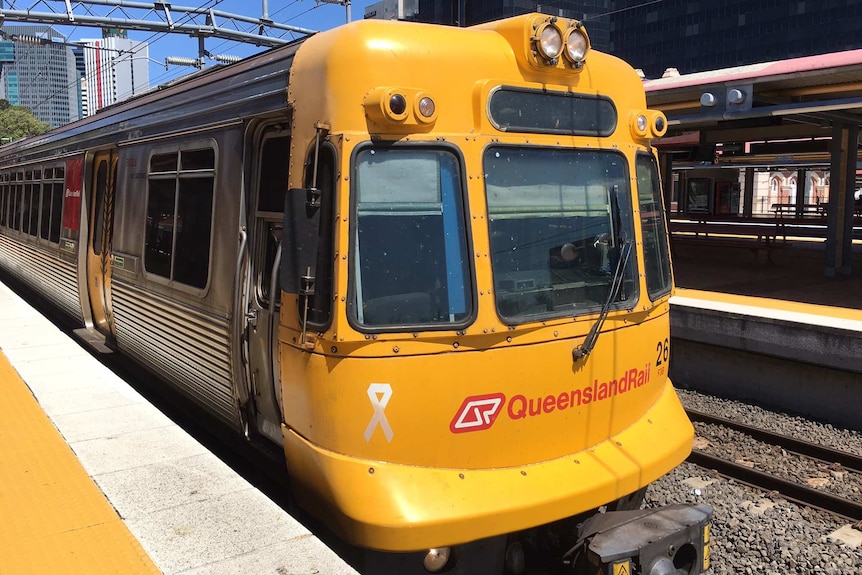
(791, 490)
(799, 446)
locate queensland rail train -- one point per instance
(429, 264)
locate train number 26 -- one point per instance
(663, 350)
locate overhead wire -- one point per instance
(626, 9)
(271, 16)
(157, 36)
(160, 36)
(157, 79)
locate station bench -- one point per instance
(794, 210)
(761, 240)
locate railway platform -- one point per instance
(779, 333)
(96, 480)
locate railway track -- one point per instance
(790, 489)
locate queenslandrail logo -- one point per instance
(478, 412)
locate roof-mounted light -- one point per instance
(647, 124)
(577, 45)
(658, 123)
(639, 124)
(425, 109)
(549, 42)
(410, 107)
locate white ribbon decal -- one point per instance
(379, 394)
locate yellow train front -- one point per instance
(474, 334)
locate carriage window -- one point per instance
(410, 260)
(656, 253)
(273, 175)
(15, 192)
(99, 212)
(30, 203)
(272, 186)
(56, 210)
(198, 159)
(45, 205)
(179, 215)
(4, 198)
(557, 221)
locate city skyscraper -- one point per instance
(42, 75)
(695, 36)
(392, 10)
(115, 68)
(594, 13)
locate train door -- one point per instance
(272, 151)
(103, 177)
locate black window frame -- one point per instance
(271, 219)
(178, 175)
(4, 199)
(544, 101)
(657, 201)
(471, 289)
(623, 221)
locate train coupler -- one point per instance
(672, 540)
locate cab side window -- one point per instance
(654, 225)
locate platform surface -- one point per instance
(96, 480)
(795, 276)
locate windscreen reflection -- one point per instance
(557, 220)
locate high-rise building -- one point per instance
(116, 68)
(594, 13)
(695, 36)
(81, 67)
(42, 76)
(10, 79)
(393, 10)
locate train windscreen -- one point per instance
(410, 261)
(557, 220)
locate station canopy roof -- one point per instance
(770, 114)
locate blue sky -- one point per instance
(301, 13)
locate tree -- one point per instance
(17, 122)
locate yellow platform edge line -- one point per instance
(53, 516)
(770, 303)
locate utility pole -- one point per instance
(345, 3)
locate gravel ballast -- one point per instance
(761, 533)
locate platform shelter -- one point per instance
(800, 115)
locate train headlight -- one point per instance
(576, 46)
(425, 109)
(436, 559)
(647, 124)
(658, 124)
(639, 124)
(549, 42)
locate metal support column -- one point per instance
(801, 199)
(839, 235)
(748, 194)
(665, 162)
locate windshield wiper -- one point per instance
(585, 348)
